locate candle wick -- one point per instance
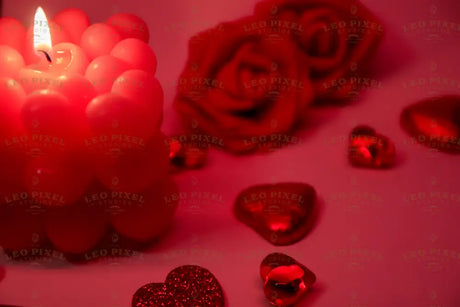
(46, 55)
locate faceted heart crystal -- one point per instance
(186, 156)
(435, 122)
(285, 279)
(282, 213)
(284, 285)
(370, 149)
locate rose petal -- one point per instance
(354, 44)
(250, 86)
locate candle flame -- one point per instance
(42, 35)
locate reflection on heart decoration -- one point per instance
(368, 148)
(188, 286)
(285, 279)
(281, 213)
(434, 122)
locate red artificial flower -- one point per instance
(249, 81)
(242, 86)
(338, 37)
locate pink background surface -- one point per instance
(383, 238)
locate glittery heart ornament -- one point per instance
(434, 122)
(188, 286)
(281, 213)
(285, 279)
(367, 148)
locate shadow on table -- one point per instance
(312, 295)
(111, 250)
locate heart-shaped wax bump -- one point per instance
(147, 215)
(285, 279)
(282, 213)
(188, 285)
(367, 148)
(435, 122)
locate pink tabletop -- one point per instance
(383, 238)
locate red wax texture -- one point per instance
(12, 97)
(80, 120)
(143, 88)
(111, 113)
(76, 88)
(136, 53)
(134, 169)
(74, 22)
(150, 219)
(129, 26)
(47, 112)
(77, 228)
(98, 39)
(18, 228)
(12, 33)
(57, 180)
(64, 53)
(103, 71)
(32, 79)
(11, 61)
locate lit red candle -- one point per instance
(65, 64)
(71, 95)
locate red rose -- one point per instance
(242, 88)
(337, 36)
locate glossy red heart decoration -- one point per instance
(187, 285)
(435, 122)
(281, 213)
(186, 156)
(285, 279)
(367, 148)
